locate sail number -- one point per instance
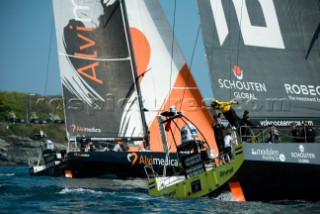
(268, 36)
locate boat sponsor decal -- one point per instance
(158, 161)
(76, 128)
(152, 185)
(268, 154)
(86, 155)
(150, 160)
(301, 156)
(283, 152)
(276, 122)
(166, 193)
(225, 172)
(242, 89)
(238, 150)
(134, 156)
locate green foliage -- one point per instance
(10, 102)
(27, 106)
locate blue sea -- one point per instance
(22, 193)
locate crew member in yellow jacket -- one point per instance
(228, 112)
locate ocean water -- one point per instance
(22, 193)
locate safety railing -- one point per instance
(278, 134)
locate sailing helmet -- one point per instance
(48, 141)
(48, 145)
(189, 133)
(173, 109)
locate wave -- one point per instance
(67, 190)
(225, 196)
(7, 174)
(112, 184)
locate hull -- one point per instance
(53, 171)
(53, 165)
(208, 181)
(122, 165)
(280, 172)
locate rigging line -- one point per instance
(48, 60)
(189, 74)
(172, 44)
(145, 48)
(195, 45)
(239, 37)
(313, 40)
(210, 58)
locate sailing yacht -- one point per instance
(120, 67)
(266, 54)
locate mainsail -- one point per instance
(120, 67)
(95, 67)
(265, 53)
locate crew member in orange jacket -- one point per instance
(228, 112)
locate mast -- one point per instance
(134, 69)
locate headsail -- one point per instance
(266, 53)
(95, 68)
(164, 76)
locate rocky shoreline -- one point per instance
(15, 150)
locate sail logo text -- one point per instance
(83, 34)
(76, 128)
(302, 89)
(303, 92)
(245, 89)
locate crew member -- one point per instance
(228, 112)
(307, 133)
(295, 133)
(227, 145)
(274, 136)
(118, 147)
(218, 132)
(83, 144)
(91, 147)
(245, 130)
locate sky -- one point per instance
(29, 61)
